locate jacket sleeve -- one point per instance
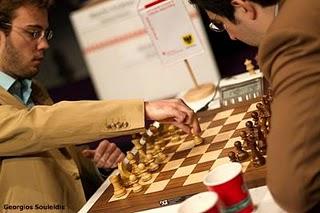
(41, 128)
(291, 56)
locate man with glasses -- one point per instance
(40, 169)
(287, 33)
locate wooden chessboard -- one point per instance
(182, 175)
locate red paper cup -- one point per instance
(207, 202)
(227, 181)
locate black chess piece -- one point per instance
(256, 157)
(232, 156)
(243, 136)
(241, 154)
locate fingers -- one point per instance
(174, 111)
(190, 119)
(119, 159)
(108, 155)
(88, 153)
(100, 150)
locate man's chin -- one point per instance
(31, 73)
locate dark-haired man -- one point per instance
(287, 33)
(39, 167)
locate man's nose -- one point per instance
(43, 44)
(232, 37)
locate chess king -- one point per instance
(287, 34)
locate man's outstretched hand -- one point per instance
(173, 111)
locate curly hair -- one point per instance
(8, 8)
(224, 8)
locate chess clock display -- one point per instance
(240, 88)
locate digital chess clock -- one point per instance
(240, 88)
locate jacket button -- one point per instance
(119, 125)
(113, 126)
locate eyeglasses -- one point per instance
(216, 26)
(36, 34)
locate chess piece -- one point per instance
(149, 145)
(142, 156)
(156, 150)
(266, 110)
(243, 136)
(175, 138)
(136, 187)
(197, 140)
(255, 117)
(241, 154)
(161, 158)
(262, 147)
(136, 143)
(264, 116)
(249, 66)
(232, 156)
(269, 95)
(124, 173)
(133, 163)
(145, 175)
(152, 166)
(119, 190)
(256, 157)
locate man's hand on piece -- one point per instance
(106, 155)
(173, 111)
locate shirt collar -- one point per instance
(6, 81)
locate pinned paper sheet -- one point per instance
(170, 29)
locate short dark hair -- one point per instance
(8, 8)
(224, 8)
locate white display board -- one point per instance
(122, 60)
(182, 41)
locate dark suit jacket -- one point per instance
(289, 57)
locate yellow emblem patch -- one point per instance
(188, 39)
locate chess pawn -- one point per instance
(243, 136)
(255, 117)
(249, 126)
(232, 156)
(119, 190)
(262, 147)
(145, 176)
(197, 140)
(151, 164)
(136, 187)
(161, 158)
(256, 157)
(241, 154)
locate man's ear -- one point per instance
(246, 7)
